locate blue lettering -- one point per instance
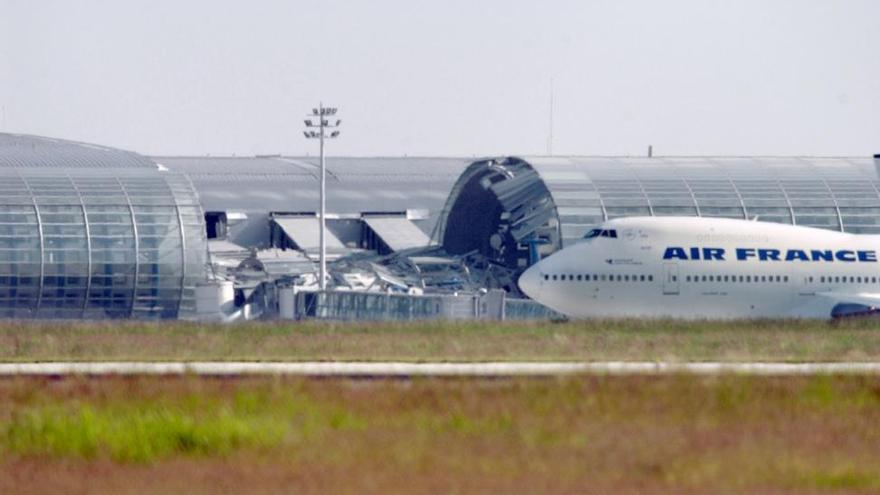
(673, 253)
(817, 255)
(867, 256)
(744, 253)
(713, 254)
(844, 255)
(768, 254)
(796, 254)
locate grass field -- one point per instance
(446, 341)
(676, 434)
(599, 434)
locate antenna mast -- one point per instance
(550, 136)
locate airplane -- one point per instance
(698, 267)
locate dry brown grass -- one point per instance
(776, 340)
(675, 434)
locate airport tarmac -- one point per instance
(403, 369)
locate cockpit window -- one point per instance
(612, 233)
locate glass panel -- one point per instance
(862, 229)
(674, 211)
(724, 212)
(618, 211)
(817, 221)
(865, 220)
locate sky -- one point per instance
(447, 78)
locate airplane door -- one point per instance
(670, 278)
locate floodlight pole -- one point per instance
(322, 114)
(322, 284)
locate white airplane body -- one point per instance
(691, 267)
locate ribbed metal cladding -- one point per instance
(98, 242)
(24, 151)
(578, 193)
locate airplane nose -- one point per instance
(530, 282)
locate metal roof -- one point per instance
(260, 185)
(668, 167)
(305, 232)
(290, 183)
(24, 151)
(397, 232)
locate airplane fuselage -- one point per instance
(708, 268)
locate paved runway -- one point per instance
(397, 369)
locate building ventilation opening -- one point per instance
(497, 212)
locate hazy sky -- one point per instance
(447, 77)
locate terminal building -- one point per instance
(88, 231)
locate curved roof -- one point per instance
(25, 151)
(264, 184)
(282, 183)
(834, 193)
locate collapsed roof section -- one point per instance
(500, 209)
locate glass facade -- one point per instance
(91, 243)
(830, 193)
